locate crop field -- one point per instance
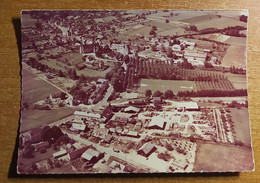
(219, 23)
(200, 19)
(235, 56)
(36, 118)
(35, 89)
(224, 85)
(236, 41)
(163, 85)
(220, 157)
(176, 31)
(215, 37)
(238, 80)
(241, 125)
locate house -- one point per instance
(116, 167)
(108, 138)
(92, 155)
(59, 154)
(87, 116)
(107, 113)
(132, 109)
(157, 122)
(78, 127)
(147, 149)
(121, 119)
(77, 154)
(176, 47)
(132, 134)
(100, 133)
(43, 165)
(157, 100)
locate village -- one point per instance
(118, 121)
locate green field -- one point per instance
(163, 85)
(36, 118)
(222, 158)
(241, 125)
(34, 88)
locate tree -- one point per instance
(157, 94)
(153, 48)
(208, 65)
(193, 28)
(62, 95)
(167, 21)
(243, 18)
(152, 32)
(148, 93)
(169, 94)
(154, 28)
(60, 74)
(169, 52)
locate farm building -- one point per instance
(157, 122)
(195, 55)
(190, 106)
(77, 154)
(147, 149)
(131, 109)
(59, 154)
(40, 145)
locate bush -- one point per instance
(43, 151)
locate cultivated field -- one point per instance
(36, 118)
(222, 158)
(219, 23)
(241, 124)
(34, 88)
(163, 85)
(236, 41)
(238, 80)
(235, 56)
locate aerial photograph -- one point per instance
(134, 91)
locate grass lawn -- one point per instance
(35, 89)
(36, 118)
(241, 124)
(222, 158)
(163, 85)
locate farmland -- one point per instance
(35, 89)
(235, 56)
(164, 85)
(222, 158)
(241, 125)
(238, 80)
(36, 118)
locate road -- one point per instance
(138, 160)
